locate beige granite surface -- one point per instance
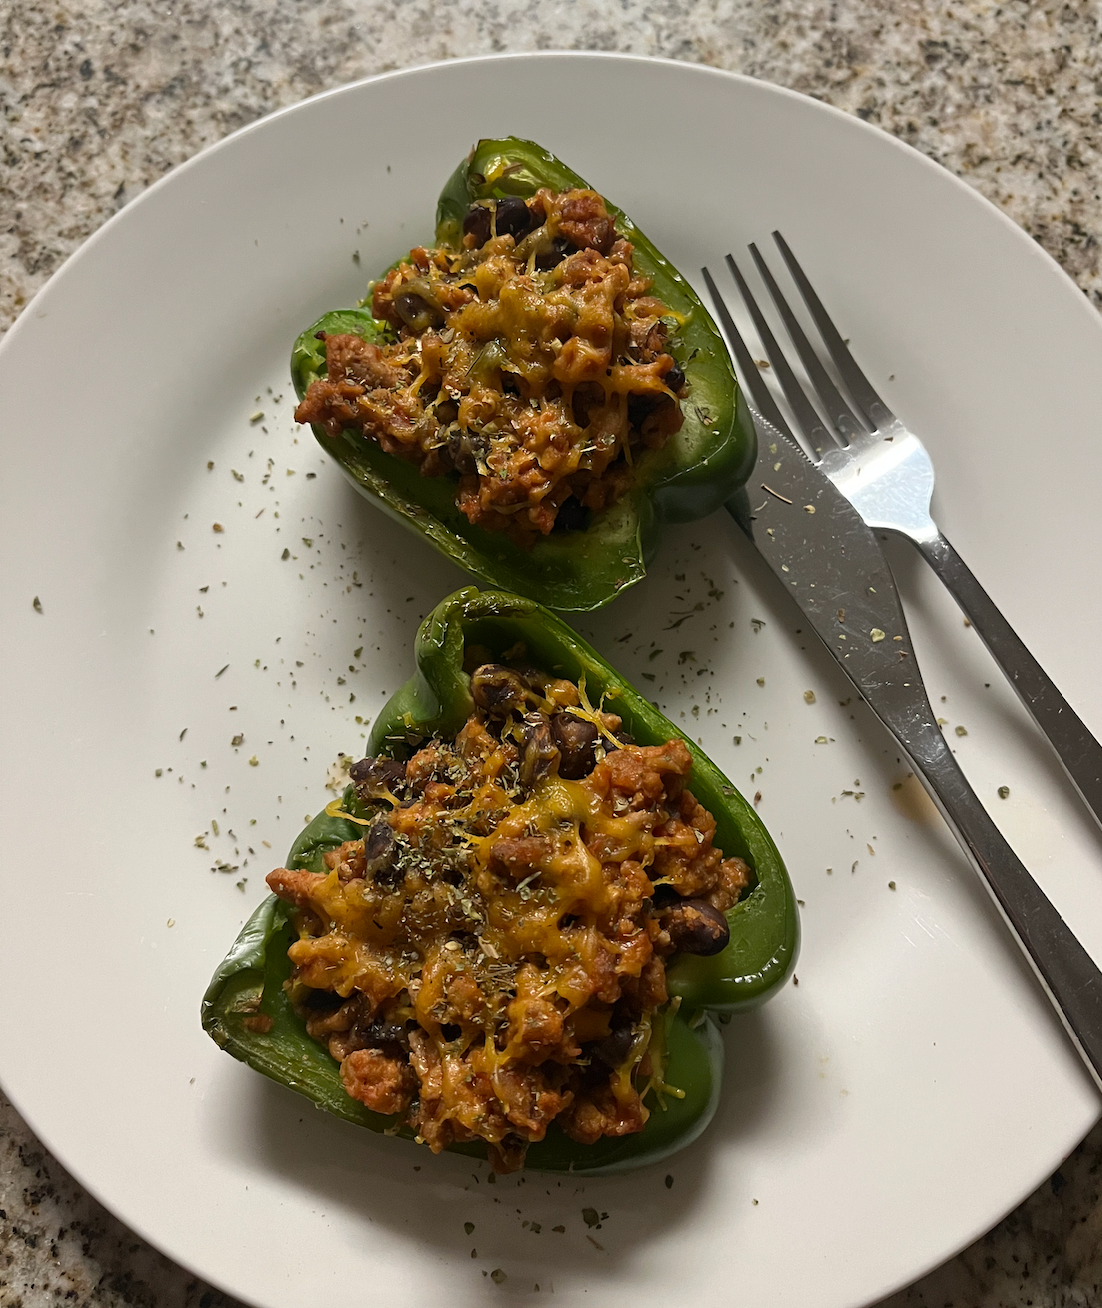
(100, 98)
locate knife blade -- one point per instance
(831, 564)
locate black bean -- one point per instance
(380, 847)
(695, 927)
(322, 1001)
(675, 378)
(554, 254)
(438, 462)
(372, 776)
(532, 677)
(513, 218)
(614, 1049)
(476, 223)
(641, 407)
(416, 312)
(576, 739)
(586, 397)
(572, 515)
(497, 689)
(508, 1156)
(539, 753)
(380, 1033)
(467, 450)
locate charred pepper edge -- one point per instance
(690, 477)
(764, 925)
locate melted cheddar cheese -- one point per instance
(489, 958)
(532, 364)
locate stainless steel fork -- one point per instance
(885, 472)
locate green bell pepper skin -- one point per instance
(437, 700)
(692, 475)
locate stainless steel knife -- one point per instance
(832, 566)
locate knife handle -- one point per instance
(1077, 749)
(1063, 967)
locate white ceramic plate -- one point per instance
(893, 1106)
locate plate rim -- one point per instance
(548, 56)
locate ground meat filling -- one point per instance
(491, 956)
(531, 364)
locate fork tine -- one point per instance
(838, 411)
(812, 427)
(859, 385)
(752, 378)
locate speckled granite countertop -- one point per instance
(100, 98)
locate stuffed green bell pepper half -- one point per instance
(511, 935)
(537, 392)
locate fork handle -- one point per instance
(1066, 971)
(1076, 748)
